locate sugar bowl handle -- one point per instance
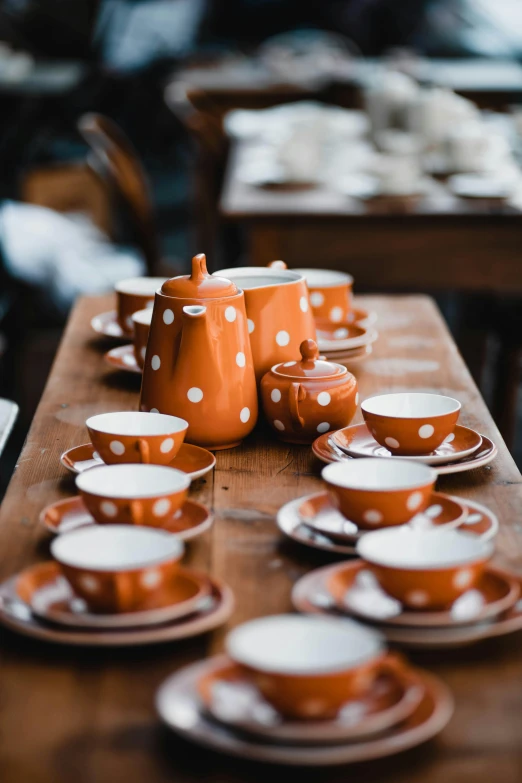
(144, 450)
(136, 512)
(296, 393)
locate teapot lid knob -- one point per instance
(199, 268)
(309, 350)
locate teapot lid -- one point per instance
(199, 284)
(310, 365)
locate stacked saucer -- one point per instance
(421, 589)
(305, 691)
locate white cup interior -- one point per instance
(116, 547)
(324, 278)
(410, 405)
(421, 549)
(132, 481)
(378, 475)
(259, 276)
(136, 423)
(140, 286)
(143, 316)
(292, 644)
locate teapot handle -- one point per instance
(295, 393)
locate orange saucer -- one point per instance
(233, 700)
(123, 358)
(190, 521)
(107, 325)
(50, 597)
(355, 591)
(192, 460)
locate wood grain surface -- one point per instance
(87, 716)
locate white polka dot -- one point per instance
(450, 438)
(463, 578)
(323, 398)
(240, 359)
(108, 508)
(143, 351)
(161, 507)
(154, 410)
(324, 426)
(313, 707)
(129, 360)
(417, 598)
(151, 578)
(89, 583)
(117, 447)
(194, 394)
(251, 326)
(155, 362)
(167, 445)
(317, 299)
(230, 314)
(168, 317)
(303, 304)
(341, 334)
(282, 338)
(473, 518)
(426, 431)
(392, 443)
(336, 314)
(372, 516)
(414, 501)
(279, 425)
(129, 322)
(244, 415)
(434, 511)
(289, 364)
(95, 455)
(357, 398)
(275, 396)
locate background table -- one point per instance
(87, 716)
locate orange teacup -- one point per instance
(376, 492)
(141, 321)
(411, 423)
(425, 569)
(132, 436)
(330, 294)
(133, 294)
(133, 494)
(117, 568)
(307, 667)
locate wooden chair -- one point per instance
(115, 160)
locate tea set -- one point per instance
(319, 687)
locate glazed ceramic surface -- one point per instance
(303, 398)
(117, 568)
(356, 591)
(344, 337)
(106, 325)
(425, 570)
(377, 493)
(303, 668)
(410, 423)
(133, 494)
(132, 295)
(199, 362)
(141, 322)
(330, 294)
(231, 698)
(131, 436)
(278, 310)
(123, 358)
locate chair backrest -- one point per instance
(116, 161)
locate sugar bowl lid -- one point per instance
(199, 284)
(310, 365)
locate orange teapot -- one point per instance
(278, 310)
(303, 399)
(198, 363)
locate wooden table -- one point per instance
(436, 241)
(74, 716)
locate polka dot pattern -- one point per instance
(392, 443)
(317, 299)
(282, 338)
(341, 334)
(336, 314)
(414, 501)
(244, 415)
(155, 362)
(323, 398)
(154, 410)
(240, 359)
(426, 431)
(143, 351)
(167, 445)
(324, 426)
(231, 314)
(417, 598)
(108, 508)
(357, 398)
(168, 317)
(151, 578)
(251, 326)
(279, 425)
(194, 394)
(450, 438)
(434, 511)
(161, 507)
(89, 583)
(117, 447)
(463, 578)
(303, 304)
(275, 395)
(372, 516)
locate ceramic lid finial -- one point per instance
(309, 350)
(199, 267)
